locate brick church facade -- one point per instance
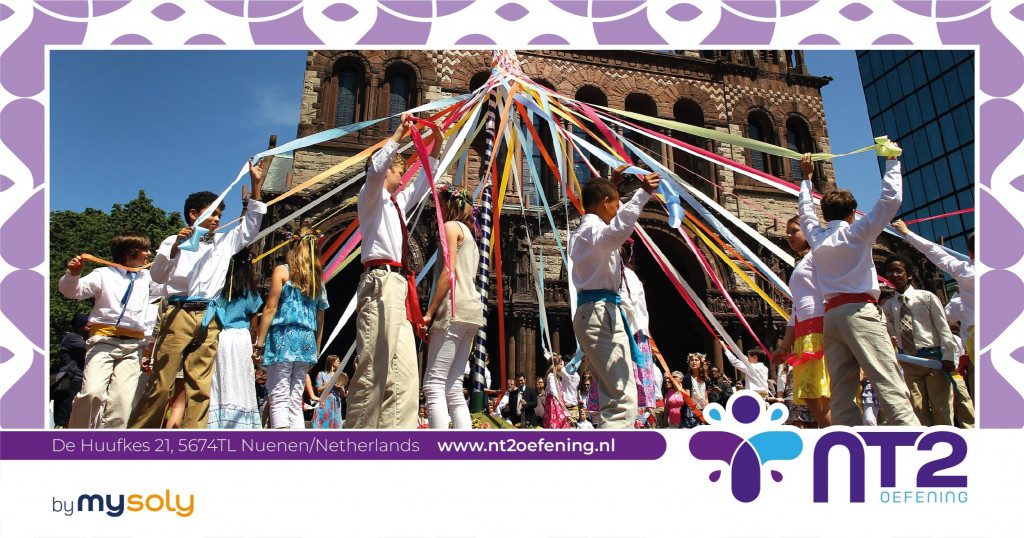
(767, 95)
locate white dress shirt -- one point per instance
(633, 291)
(570, 388)
(756, 376)
(962, 271)
(201, 274)
(803, 284)
(378, 220)
(595, 246)
(955, 311)
(106, 286)
(929, 320)
(842, 251)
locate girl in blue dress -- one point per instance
(291, 328)
(233, 388)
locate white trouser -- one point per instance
(286, 381)
(442, 385)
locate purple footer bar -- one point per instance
(330, 445)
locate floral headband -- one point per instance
(454, 192)
(315, 235)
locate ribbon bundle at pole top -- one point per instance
(503, 109)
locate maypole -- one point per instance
(477, 401)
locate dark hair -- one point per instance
(970, 244)
(838, 204)
(795, 219)
(199, 201)
(596, 190)
(907, 265)
(125, 245)
(757, 352)
(241, 276)
(520, 374)
(79, 321)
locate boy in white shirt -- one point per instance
(854, 331)
(600, 320)
(188, 329)
(116, 335)
(917, 325)
(384, 392)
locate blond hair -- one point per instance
(304, 268)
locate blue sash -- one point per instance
(593, 296)
(208, 315)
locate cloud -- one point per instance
(276, 107)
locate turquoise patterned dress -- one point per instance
(292, 334)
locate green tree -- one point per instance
(90, 231)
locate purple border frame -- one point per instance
(23, 275)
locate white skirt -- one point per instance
(233, 389)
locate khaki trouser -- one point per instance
(111, 377)
(963, 405)
(602, 336)
(931, 394)
(384, 392)
(855, 338)
(179, 345)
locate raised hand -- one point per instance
(901, 227)
(257, 175)
(616, 176)
(76, 265)
(807, 166)
(650, 182)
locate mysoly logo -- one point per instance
(115, 505)
(745, 455)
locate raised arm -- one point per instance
(611, 237)
(867, 228)
(277, 281)
(73, 286)
(958, 269)
(413, 192)
(381, 160)
(167, 257)
(808, 218)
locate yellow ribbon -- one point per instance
(742, 274)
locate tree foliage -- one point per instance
(90, 231)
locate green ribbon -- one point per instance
(883, 147)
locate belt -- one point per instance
(848, 298)
(592, 296)
(384, 265)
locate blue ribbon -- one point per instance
(192, 243)
(132, 275)
(592, 296)
(208, 315)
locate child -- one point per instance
(584, 421)
(756, 376)
(327, 414)
(917, 324)
(803, 344)
(291, 328)
(555, 416)
(868, 401)
(188, 334)
(962, 271)
(232, 392)
(600, 322)
(117, 327)
(634, 293)
(384, 386)
(853, 330)
(451, 337)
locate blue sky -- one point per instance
(176, 122)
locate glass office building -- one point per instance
(924, 100)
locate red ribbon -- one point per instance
(944, 215)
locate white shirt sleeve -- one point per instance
(943, 334)
(379, 163)
(809, 223)
(958, 269)
(413, 192)
(867, 228)
(163, 265)
(244, 234)
(610, 237)
(80, 287)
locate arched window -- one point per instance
(548, 181)
(400, 88)
(593, 96)
(478, 80)
(643, 104)
(798, 139)
(759, 127)
(691, 168)
(343, 99)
